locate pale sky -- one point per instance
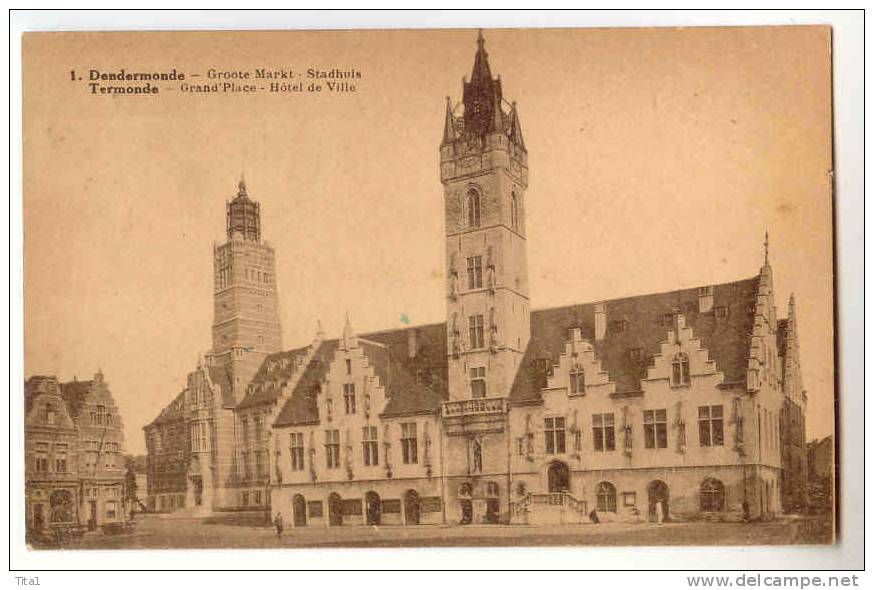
(658, 157)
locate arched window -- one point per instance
(680, 369)
(492, 489)
(473, 208)
(577, 379)
(712, 495)
(606, 496)
(514, 211)
(477, 456)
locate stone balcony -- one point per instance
(481, 415)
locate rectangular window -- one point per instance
(720, 312)
(296, 450)
(555, 435)
(577, 380)
(332, 448)
(371, 446)
(475, 272)
(259, 466)
(247, 466)
(409, 442)
(655, 429)
(42, 457)
(60, 456)
(603, 431)
(477, 335)
(111, 509)
(349, 397)
(51, 414)
(348, 366)
(477, 382)
(710, 433)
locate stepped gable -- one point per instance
(414, 383)
(727, 340)
(275, 372)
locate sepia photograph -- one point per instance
(465, 287)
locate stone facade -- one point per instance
(686, 404)
(74, 462)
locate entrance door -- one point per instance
(197, 482)
(335, 510)
(411, 507)
(559, 477)
(372, 504)
(657, 493)
(39, 519)
(299, 510)
(92, 521)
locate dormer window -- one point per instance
(635, 354)
(680, 369)
(667, 319)
(577, 380)
(51, 414)
(720, 313)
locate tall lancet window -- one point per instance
(473, 208)
(514, 211)
(680, 369)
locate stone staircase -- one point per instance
(551, 508)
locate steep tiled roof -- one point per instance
(74, 394)
(171, 412)
(276, 370)
(417, 383)
(404, 375)
(301, 406)
(220, 377)
(727, 340)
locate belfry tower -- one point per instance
(484, 171)
(245, 325)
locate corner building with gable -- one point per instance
(678, 405)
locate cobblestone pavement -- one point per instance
(157, 532)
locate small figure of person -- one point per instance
(659, 512)
(746, 510)
(277, 521)
(593, 516)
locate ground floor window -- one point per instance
(606, 497)
(61, 506)
(712, 495)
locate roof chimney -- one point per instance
(705, 299)
(413, 342)
(600, 321)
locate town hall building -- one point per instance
(679, 405)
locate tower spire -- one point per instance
(481, 94)
(241, 186)
(449, 124)
(516, 127)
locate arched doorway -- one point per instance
(558, 477)
(493, 502)
(411, 507)
(657, 493)
(335, 509)
(373, 508)
(299, 510)
(61, 506)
